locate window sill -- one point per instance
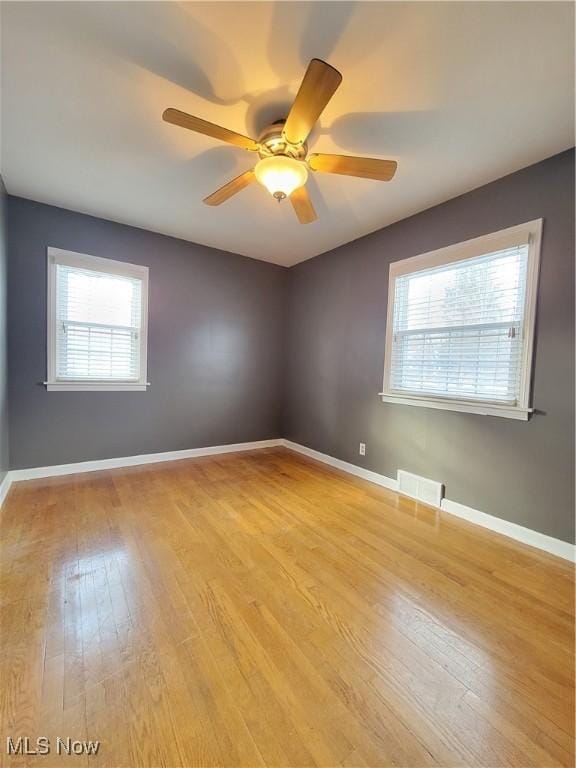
(461, 406)
(94, 386)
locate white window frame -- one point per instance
(58, 256)
(469, 249)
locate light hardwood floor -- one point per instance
(262, 609)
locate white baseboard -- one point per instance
(345, 466)
(35, 473)
(525, 535)
(5, 486)
(513, 531)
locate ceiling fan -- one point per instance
(284, 159)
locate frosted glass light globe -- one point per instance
(281, 175)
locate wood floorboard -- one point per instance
(261, 609)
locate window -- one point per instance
(97, 323)
(460, 325)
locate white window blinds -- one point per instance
(458, 328)
(98, 325)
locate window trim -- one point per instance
(56, 256)
(478, 246)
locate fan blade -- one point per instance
(316, 89)
(234, 186)
(303, 206)
(184, 120)
(366, 167)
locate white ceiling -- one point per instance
(458, 93)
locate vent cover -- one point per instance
(420, 488)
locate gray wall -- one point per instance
(242, 350)
(4, 453)
(520, 471)
(215, 344)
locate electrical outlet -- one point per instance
(362, 449)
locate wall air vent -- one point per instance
(420, 488)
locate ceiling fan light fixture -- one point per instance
(283, 148)
(281, 175)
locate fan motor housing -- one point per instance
(272, 142)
